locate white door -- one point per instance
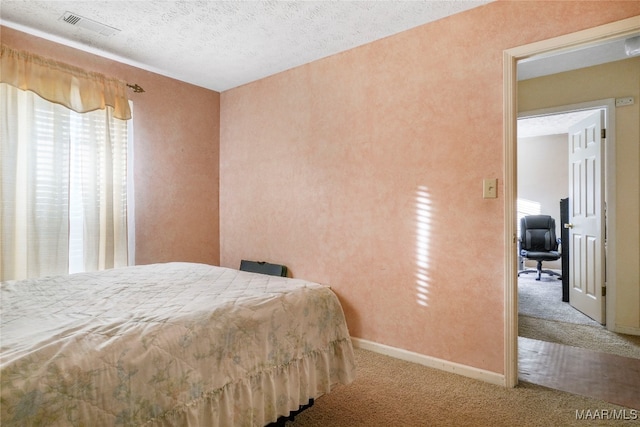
(586, 217)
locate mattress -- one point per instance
(175, 344)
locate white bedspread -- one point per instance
(167, 344)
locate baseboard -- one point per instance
(431, 362)
(626, 330)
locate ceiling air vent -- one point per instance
(88, 24)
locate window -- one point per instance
(65, 188)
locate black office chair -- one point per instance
(263, 268)
(538, 242)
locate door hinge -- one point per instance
(604, 291)
(603, 133)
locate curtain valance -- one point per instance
(79, 90)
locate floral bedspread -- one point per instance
(167, 344)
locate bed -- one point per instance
(174, 344)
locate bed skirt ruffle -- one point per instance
(260, 399)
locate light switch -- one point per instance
(490, 188)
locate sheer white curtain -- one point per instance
(34, 176)
(99, 191)
(63, 186)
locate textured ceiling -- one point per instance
(551, 124)
(223, 44)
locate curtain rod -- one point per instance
(136, 88)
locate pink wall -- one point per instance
(363, 171)
(176, 151)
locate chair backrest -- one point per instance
(538, 233)
(263, 268)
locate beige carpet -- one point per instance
(391, 392)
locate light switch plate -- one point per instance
(490, 188)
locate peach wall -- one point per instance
(364, 171)
(176, 155)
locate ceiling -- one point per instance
(552, 124)
(220, 45)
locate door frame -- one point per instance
(609, 189)
(511, 57)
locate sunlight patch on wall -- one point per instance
(424, 213)
(526, 207)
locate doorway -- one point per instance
(544, 344)
(618, 29)
(553, 139)
(544, 310)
